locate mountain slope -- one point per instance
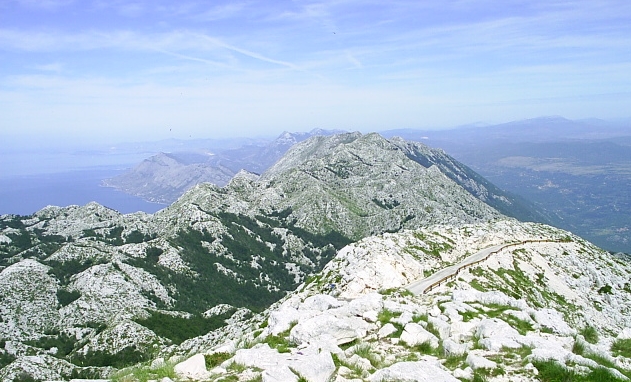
(576, 171)
(550, 307)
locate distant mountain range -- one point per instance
(573, 174)
(164, 177)
(577, 171)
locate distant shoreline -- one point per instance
(25, 195)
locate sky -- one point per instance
(113, 71)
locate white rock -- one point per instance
(371, 316)
(279, 374)
(479, 362)
(403, 319)
(553, 320)
(467, 373)
(193, 368)
(326, 327)
(425, 370)
(386, 330)
(463, 331)
(414, 334)
(495, 334)
(282, 319)
(367, 303)
(625, 334)
(444, 329)
(314, 366)
(360, 362)
(218, 310)
(454, 349)
(320, 302)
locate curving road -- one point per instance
(421, 286)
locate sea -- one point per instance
(32, 181)
(26, 194)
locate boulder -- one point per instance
(320, 303)
(371, 302)
(496, 334)
(444, 329)
(326, 328)
(414, 334)
(193, 368)
(425, 370)
(279, 374)
(386, 330)
(314, 366)
(454, 349)
(466, 373)
(479, 362)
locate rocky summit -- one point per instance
(300, 274)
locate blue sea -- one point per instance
(26, 194)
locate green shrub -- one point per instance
(66, 297)
(605, 290)
(178, 329)
(216, 359)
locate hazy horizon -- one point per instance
(109, 72)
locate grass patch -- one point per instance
(622, 348)
(522, 326)
(366, 351)
(469, 315)
(590, 333)
(454, 361)
(552, 371)
(578, 347)
(496, 310)
(419, 317)
(145, 373)
(425, 348)
(386, 315)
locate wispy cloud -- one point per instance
(51, 67)
(220, 12)
(43, 4)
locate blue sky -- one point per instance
(110, 71)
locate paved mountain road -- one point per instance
(420, 286)
(424, 285)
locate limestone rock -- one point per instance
(426, 370)
(327, 327)
(414, 334)
(313, 365)
(478, 362)
(193, 368)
